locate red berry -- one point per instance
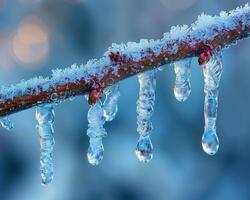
(94, 96)
(205, 56)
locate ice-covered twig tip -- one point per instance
(205, 39)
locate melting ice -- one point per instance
(45, 117)
(212, 73)
(145, 103)
(182, 87)
(110, 107)
(96, 132)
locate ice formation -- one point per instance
(145, 107)
(134, 58)
(182, 87)
(205, 28)
(110, 106)
(45, 117)
(96, 132)
(212, 74)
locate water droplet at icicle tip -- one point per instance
(212, 73)
(182, 86)
(95, 132)
(210, 142)
(95, 151)
(45, 118)
(145, 107)
(6, 123)
(144, 149)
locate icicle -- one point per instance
(212, 74)
(182, 87)
(96, 132)
(145, 103)
(45, 117)
(110, 107)
(6, 123)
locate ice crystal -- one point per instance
(182, 87)
(212, 74)
(95, 132)
(110, 106)
(145, 103)
(45, 117)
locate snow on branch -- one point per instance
(207, 34)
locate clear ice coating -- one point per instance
(182, 86)
(110, 107)
(96, 132)
(45, 117)
(6, 123)
(212, 73)
(145, 104)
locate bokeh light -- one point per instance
(30, 43)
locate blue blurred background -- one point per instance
(39, 35)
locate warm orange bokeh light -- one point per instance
(30, 43)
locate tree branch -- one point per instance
(126, 60)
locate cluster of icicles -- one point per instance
(104, 111)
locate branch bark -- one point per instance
(121, 62)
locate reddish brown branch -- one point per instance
(122, 65)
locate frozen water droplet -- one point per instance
(54, 96)
(182, 87)
(144, 149)
(110, 106)
(210, 142)
(212, 73)
(95, 152)
(6, 123)
(45, 117)
(145, 109)
(95, 132)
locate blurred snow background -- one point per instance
(39, 35)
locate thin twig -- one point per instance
(126, 60)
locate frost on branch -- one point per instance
(124, 60)
(205, 38)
